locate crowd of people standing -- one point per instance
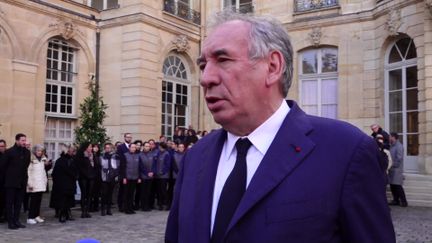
(142, 173)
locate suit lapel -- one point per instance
(290, 146)
(209, 161)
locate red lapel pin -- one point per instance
(297, 149)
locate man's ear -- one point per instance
(275, 64)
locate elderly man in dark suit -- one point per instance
(14, 163)
(273, 173)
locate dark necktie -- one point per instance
(232, 192)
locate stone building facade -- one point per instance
(362, 61)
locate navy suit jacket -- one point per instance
(320, 181)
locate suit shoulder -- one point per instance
(336, 132)
(335, 126)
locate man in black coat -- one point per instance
(121, 150)
(14, 163)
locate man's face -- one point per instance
(128, 138)
(2, 147)
(233, 84)
(375, 128)
(22, 142)
(181, 148)
(132, 148)
(392, 139)
(146, 147)
(152, 144)
(108, 148)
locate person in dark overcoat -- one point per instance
(14, 163)
(396, 171)
(64, 176)
(2, 191)
(87, 173)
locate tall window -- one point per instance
(60, 78)
(59, 96)
(241, 6)
(402, 97)
(103, 4)
(175, 95)
(319, 82)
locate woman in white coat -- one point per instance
(37, 183)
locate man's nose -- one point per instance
(209, 76)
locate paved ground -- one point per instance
(412, 225)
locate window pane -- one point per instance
(395, 79)
(396, 122)
(329, 60)
(413, 144)
(412, 122)
(403, 45)
(309, 92)
(112, 3)
(395, 101)
(309, 62)
(412, 52)
(329, 111)
(394, 55)
(412, 101)
(181, 110)
(181, 122)
(98, 4)
(329, 91)
(411, 76)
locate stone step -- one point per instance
(418, 189)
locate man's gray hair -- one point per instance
(267, 34)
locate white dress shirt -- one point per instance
(261, 139)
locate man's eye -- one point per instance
(222, 59)
(201, 66)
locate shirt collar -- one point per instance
(262, 137)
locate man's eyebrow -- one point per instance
(215, 53)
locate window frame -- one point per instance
(174, 81)
(402, 65)
(71, 84)
(237, 5)
(104, 4)
(319, 77)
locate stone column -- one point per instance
(426, 147)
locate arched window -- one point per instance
(319, 81)
(175, 95)
(401, 97)
(59, 96)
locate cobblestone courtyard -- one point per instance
(412, 225)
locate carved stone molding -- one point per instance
(429, 5)
(181, 43)
(315, 36)
(66, 28)
(394, 22)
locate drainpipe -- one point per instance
(97, 60)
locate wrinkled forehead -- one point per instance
(226, 34)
